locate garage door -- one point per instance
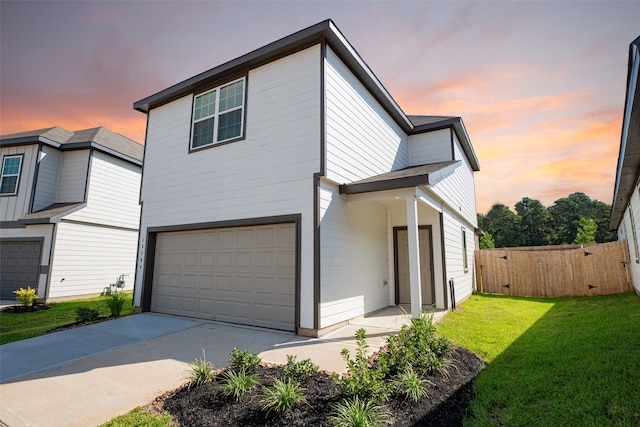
(241, 275)
(19, 266)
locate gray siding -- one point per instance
(73, 176)
(13, 207)
(112, 197)
(50, 164)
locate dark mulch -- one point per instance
(38, 306)
(446, 404)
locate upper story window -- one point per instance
(218, 115)
(11, 166)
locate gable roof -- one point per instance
(325, 31)
(99, 138)
(628, 168)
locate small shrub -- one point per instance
(355, 412)
(299, 371)
(410, 385)
(115, 301)
(86, 314)
(362, 380)
(199, 372)
(281, 396)
(237, 383)
(416, 345)
(26, 297)
(244, 360)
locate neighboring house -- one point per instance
(69, 211)
(287, 189)
(625, 210)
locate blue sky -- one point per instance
(539, 85)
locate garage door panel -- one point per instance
(265, 285)
(206, 282)
(19, 266)
(207, 259)
(225, 259)
(242, 275)
(244, 260)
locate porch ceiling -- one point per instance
(414, 176)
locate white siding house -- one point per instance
(287, 189)
(625, 210)
(70, 216)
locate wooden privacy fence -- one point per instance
(553, 271)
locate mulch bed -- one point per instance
(446, 403)
(38, 306)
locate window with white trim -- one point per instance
(218, 115)
(10, 176)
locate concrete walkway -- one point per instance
(86, 376)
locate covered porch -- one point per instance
(416, 239)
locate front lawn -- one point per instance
(20, 326)
(552, 362)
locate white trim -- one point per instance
(17, 175)
(415, 287)
(216, 114)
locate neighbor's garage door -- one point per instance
(19, 266)
(241, 275)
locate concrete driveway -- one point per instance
(86, 376)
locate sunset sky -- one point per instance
(539, 85)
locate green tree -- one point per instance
(601, 214)
(486, 241)
(534, 222)
(565, 217)
(586, 231)
(504, 225)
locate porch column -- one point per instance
(415, 287)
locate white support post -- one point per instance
(415, 287)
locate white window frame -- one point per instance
(4, 175)
(216, 115)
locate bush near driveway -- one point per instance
(560, 361)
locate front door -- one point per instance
(402, 266)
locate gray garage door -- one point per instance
(19, 266)
(240, 275)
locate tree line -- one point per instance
(572, 219)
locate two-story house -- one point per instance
(69, 206)
(287, 189)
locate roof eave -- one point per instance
(628, 167)
(27, 140)
(249, 60)
(391, 184)
(325, 30)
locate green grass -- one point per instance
(138, 417)
(552, 362)
(20, 326)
